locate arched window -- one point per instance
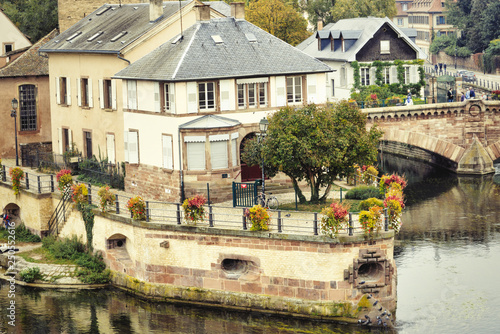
(27, 107)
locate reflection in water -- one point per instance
(449, 248)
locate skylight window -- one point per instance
(251, 37)
(103, 10)
(74, 35)
(94, 36)
(217, 39)
(117, 37)
(176, 39)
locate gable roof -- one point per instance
(222, 48)
(111, 28)
(210, 122)
(30, 63)
(351, 28)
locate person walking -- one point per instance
(450, 95)
(467, 93)
(462, 97)
(472, 93)
(444, 65)
(436, 68)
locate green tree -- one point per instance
(278, 18)
(35, 18)
(318, 9)
(346, 9)
(316, 144)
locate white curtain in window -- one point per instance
(133, 148)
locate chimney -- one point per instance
(155, 9)
(238, 10)
(202, 12)
(320, 24)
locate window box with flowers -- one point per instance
(16, 175)
(194, 211)
(335, 217)
(137, 208)
(259, 216)
(64, 179)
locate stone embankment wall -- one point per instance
(305, 275)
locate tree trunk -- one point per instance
(325, 195)
(298, 191)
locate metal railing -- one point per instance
(60, 214)
(32, 182)
(388, 103)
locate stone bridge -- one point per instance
(461, 136)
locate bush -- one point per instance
(68, 249)
(368, 203)
(29, 275)
(22, 234)
(363, 192)
(89, 277)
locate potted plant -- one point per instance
(259, 216)
(371, 220)
(394, 202)
(193, 209)
(335, 217)
(387, 180)
(137, 207)
(64, 179)
(80, 194)
(16, 174)
(106, 198)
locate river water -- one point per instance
(447, 260)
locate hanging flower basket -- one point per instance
(194, 211)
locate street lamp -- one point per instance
(263, 125)
(13, 113)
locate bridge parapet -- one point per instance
(465, 133)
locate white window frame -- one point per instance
(364, 75)
(110, 147)
(406, 74)
(386, 75)
(294, 91)
(385, 47)
(203, 96)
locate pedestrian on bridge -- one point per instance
(467, 93)
(450, 95)
(409, 100)
(472, 93)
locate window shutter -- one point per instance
(91, 100)
(113, 94)
(225, 102)
(311, 88)
(70, 139)
(413, 74)
(157, 107)
(218, 154)
(110, 145)
(192, 103)
(373, 77)
(58, 91)
(68, 91)
(280, 91)
(60, 139)
(171, 90)
(234, 151)
(196, 155)
(79, 92)
(394, 74)
(167, 152)
(125, 144)
(133, 149)
(101, 93)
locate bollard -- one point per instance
(340, 194)
(27, 181)
(39, 184)
(90, 194)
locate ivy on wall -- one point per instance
(88, 218)
(399, 87)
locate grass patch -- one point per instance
(318, 207)
(43, 255)
(22, 234)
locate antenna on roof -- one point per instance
(180, 15)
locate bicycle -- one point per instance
(270, 202)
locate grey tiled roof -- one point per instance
(197, 56)
(130, 18)
(362, 29)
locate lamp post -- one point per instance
(263, 125)
(13, 113)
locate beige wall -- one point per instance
(9, 89)
(11, 35)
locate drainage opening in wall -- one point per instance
(370, 271)
(234, 268)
